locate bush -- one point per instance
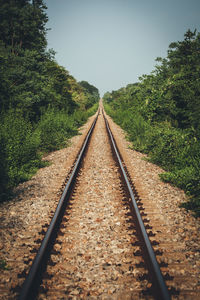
(92, 110)
(177, 151)
(22, 144)
(19, 158)
(134, 124)
(79, 118)
(167, 146)
(137, 129)
(186, 175)
(54, 128)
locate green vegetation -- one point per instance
(161, 116)
(3, 265)
(41, 104)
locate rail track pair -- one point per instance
(33, 280)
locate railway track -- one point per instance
(100, 243)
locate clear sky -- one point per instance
(110, 43)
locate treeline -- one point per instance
(161, 114)
(41, 104)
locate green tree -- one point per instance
(92, 93)
(22, 24)
(184, 64)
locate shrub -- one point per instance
(167, 146)
(92, 110)
(134, 124)
(18, 154)
(175, 150)
(54, 128)
(187, 175)
(137, 129)
(22, 144)
(79, 118)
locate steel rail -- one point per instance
(158, 284)
(33, 280)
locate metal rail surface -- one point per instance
(158, 284)
(33, 280)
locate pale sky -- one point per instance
(110, 43)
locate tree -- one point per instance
(184, 62)
(92, 93)
(22, 24)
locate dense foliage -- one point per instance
(41, 104)
(161, 115)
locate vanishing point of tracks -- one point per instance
(99, 244)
